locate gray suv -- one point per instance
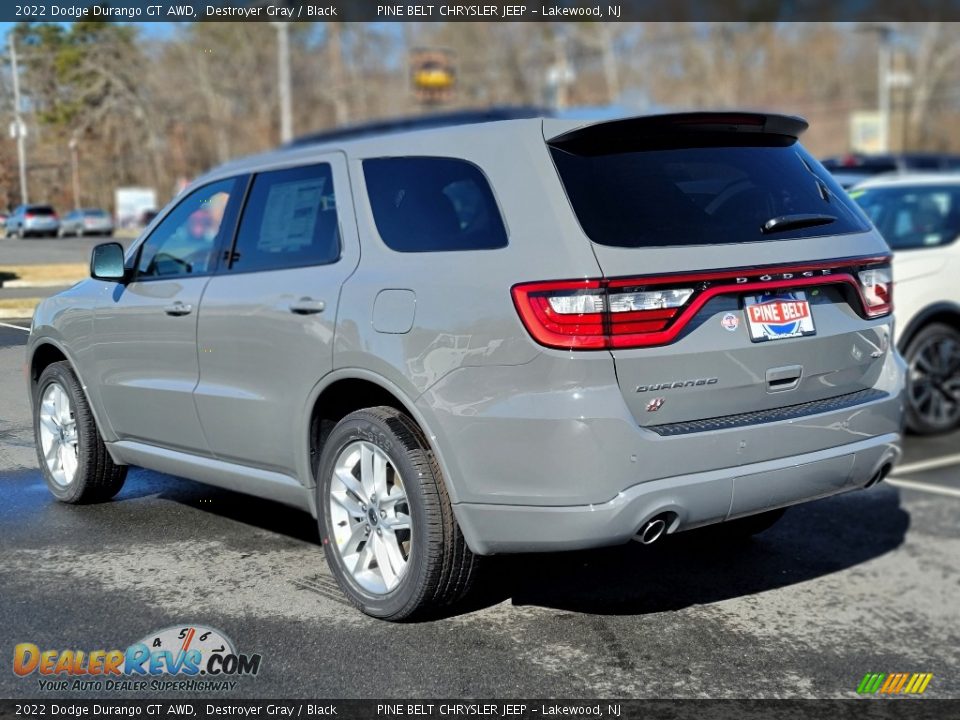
(32, 220)
(520, 336)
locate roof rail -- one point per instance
(421, 122)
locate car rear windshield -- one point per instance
(95, 213)
(709, 190)
(40, 210)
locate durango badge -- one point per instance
(699, 382)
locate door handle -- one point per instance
(307, 306)
(784, 378)
(178, 308)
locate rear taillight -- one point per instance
(567, 314)
(647, 311)
(876, 288)
(596, 314)
(28, 216)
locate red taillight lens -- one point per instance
(648, 311)
(595, 314)
(567, 314)
(876, 288)
(28, 216)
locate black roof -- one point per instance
(421, 122)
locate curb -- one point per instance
(13, 284)
(17, 313)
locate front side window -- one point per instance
(913, 217)
(185, 242)
(290, 220)
(430, 204)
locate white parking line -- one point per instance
(15, 327)
(925, 487)
(931, 464)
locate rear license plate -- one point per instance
(778, 316)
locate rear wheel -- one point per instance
(933, 380)
(73, 459)
(385, 518)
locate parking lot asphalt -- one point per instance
(864, 582)
(31, 251)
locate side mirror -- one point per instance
(106, 262)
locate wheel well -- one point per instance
(44, 356)
(947, 316)
(339, 400)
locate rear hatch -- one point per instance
(738, 277)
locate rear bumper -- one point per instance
(550, 458)
(691, 500)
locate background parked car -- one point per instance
(86, 221)
(854, 168)
(33, 220)
(919, 216)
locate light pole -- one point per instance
(19, 129)
(883, 83)
(883, 33)
(75, 171)
(283, 81)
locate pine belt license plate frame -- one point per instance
(783, 315)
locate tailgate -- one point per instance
(738, 276)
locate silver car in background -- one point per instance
(37, 220)
(86, 221)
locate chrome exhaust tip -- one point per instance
(651, 532)
(880, 475)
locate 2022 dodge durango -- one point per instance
(521, 336)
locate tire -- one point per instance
(435, 568)
(933, 380)
(746, 527)
(21, 234)
(95, 477)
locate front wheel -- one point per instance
(933, 380)
(73, 459)
(387, 525)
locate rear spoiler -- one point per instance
(674, 124)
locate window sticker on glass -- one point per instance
(291, 215)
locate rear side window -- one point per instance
(290, 220)
(722, 189)
(433, 204)
(913, 217)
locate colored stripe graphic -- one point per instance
(894, 683)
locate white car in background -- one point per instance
(919, 216)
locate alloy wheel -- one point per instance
(370, 516)
(935, 381)
(58, 434)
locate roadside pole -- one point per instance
(283, 80)
(19, 128)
